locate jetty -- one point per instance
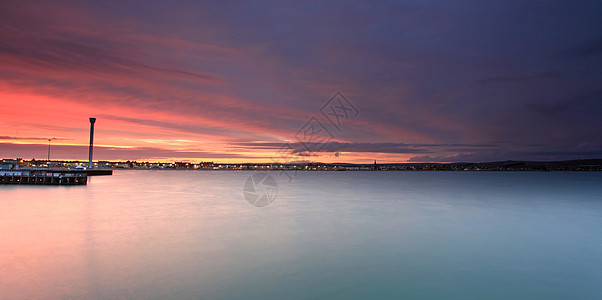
(44, 177)
(13, 172)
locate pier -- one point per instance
(13, 171)
(43, 177)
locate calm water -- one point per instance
(337, 235)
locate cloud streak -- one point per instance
(75, 152)
(432, 80)
(338, 147)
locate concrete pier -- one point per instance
(45, 177)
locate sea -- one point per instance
(171, 234)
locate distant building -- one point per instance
(11, 164)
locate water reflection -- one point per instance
(182, 234)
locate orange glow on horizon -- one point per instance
(30, 119)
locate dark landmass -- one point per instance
(567, 165)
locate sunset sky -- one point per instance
(234, 81)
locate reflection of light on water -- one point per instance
(39, 234)
(170, 234)
(90, 246)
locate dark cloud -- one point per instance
(590, 48)
(502, 155)
(59, 55)
(306, 153)
(510, 79)
(435, 79)
(590, 101)
(338, 147)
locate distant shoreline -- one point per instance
(568, 165)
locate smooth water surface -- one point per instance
(335, 235)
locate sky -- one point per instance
(286, 81)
